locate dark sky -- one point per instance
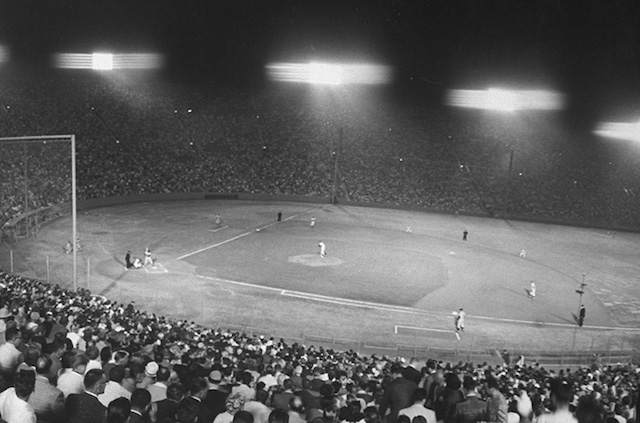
(589, 49)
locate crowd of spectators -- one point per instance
(138, 135)
(68, 356)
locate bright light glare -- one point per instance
(506, 100)
(102, 61)
(107, 61)
(619, 130)
(329, 73)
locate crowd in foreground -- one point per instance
(69, 356)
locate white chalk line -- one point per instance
(217, 229)
(242, 235)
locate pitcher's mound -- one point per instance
(315, 260)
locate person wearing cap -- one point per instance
(150, 373)
(158, 389)
(216, 396)
(5, 316)
(114, 388)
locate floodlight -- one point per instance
(107, 61)
(319, 73)
(102, 61)
(619, 130)
(506, 100)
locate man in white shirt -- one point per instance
(14, 407)
(72, 380)
(114, 388)
(418, 408)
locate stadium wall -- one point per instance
(190, 196)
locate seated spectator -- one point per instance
(114, 388)
(166, 408)
(47, 400)
(119, 410)
(140, 406)
(71, 381)
(14, 405)
(86, 407)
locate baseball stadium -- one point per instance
(324, 191)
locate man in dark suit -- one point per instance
(198, 389)
(397, 395)
(216, 396)
(140, 406)
(472, 409)
(413, 371)
(86, 407)
(166, 408)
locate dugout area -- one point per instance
(378, 284)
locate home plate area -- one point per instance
(315, 260)
(156, 268)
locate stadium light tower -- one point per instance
(330, 75)
(506, 101)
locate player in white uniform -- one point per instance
(147, 257)
(313, 222)
(460, 320)
(323, 249)
(532, 291)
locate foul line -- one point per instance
(396, 327)
(242, 235)
(217, 229)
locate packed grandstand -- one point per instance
(135, 135)
(274, 142)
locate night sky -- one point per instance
(587, 49)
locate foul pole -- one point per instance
(58, 138)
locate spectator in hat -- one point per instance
(150, 374)
(5, 316)
(216, 397)
(158, 390)
(114, 388)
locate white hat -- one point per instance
(151, 369)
